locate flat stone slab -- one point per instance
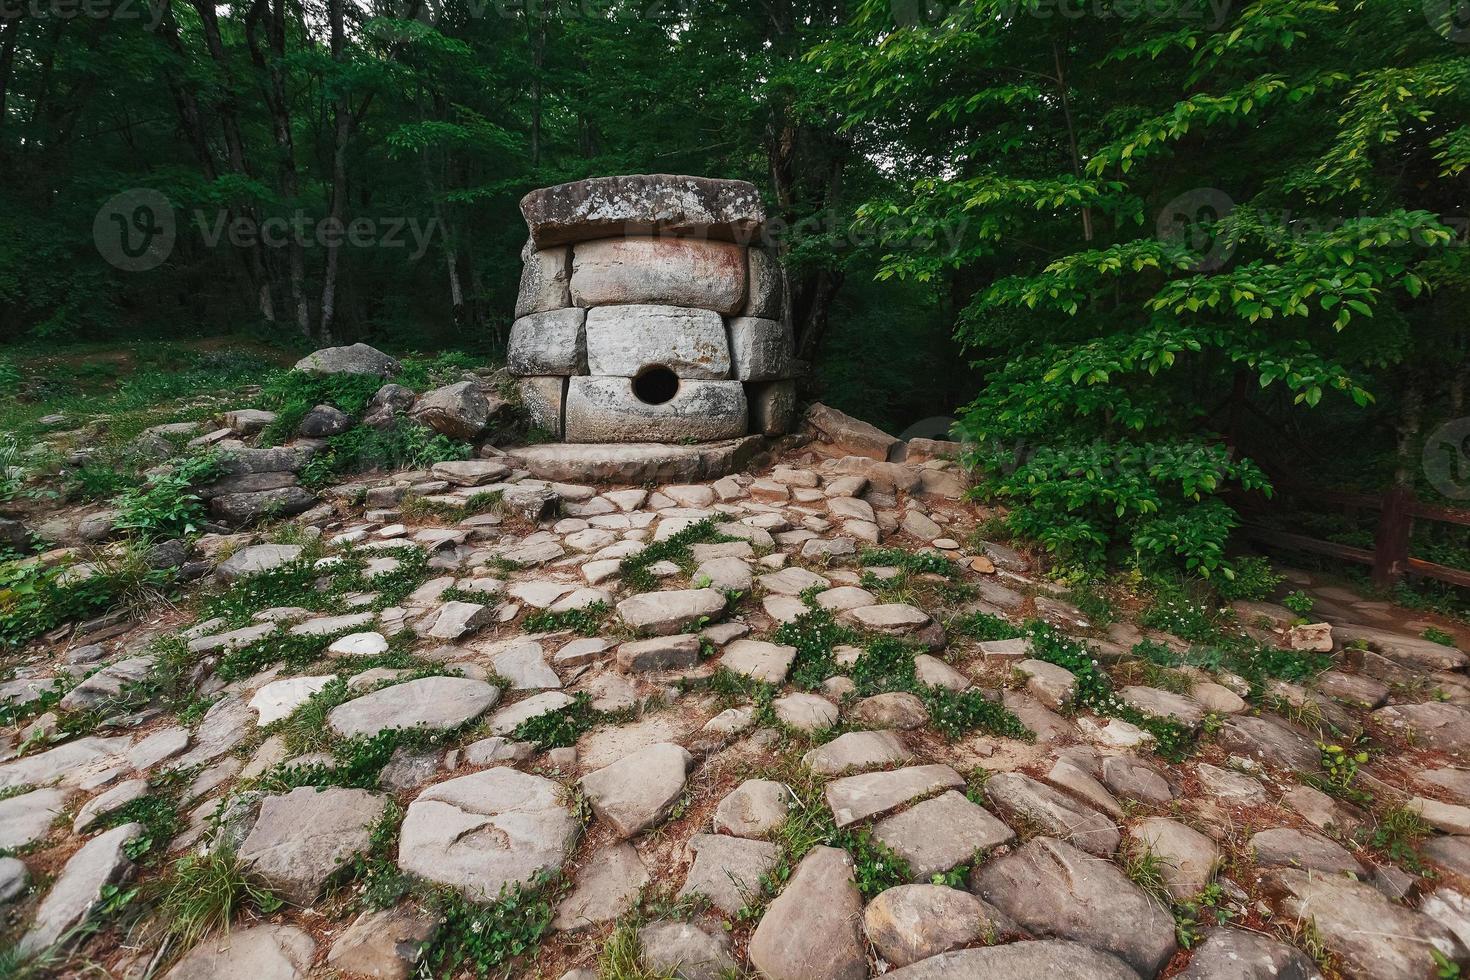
(1020, 961)
(100, 862)
(942, 833)
(278, 699)
(256, 559)
(613, 207)
(756, 659)
(1052, 889)
(265, 952)
(70, 759)
(753, 809)
(859, 752)
(728, 870)
(666, 613)
(482, 832)
(638, 790)
(429, 702)
(1021, 797)
(27, 818)
(302, 838)
(508, 719)
(856, 798)
(635, 462)
(607, 886)
(812, 928)
(911, 923)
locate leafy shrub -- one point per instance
(294, 394)
(814, 634)
(403, 445)
(675, 548)
(560, 728)
(984, 627)
(167, 507)
(587, 622)
(423, 373)
(919, 562)
(478, 938)
(94, 481)
(1253, 580)
(1299, 602)
(37, 598)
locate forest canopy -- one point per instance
(1149, 257)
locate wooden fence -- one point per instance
(1389, 557)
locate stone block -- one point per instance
(766, 295)
(548, 343)
(546, 281)
(665, 271)
(543, 399)
(772, 406)
(623, 341)
(607, 410)
(760, 349)
(728, 210)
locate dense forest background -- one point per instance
(1155, 255)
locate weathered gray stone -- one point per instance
(1234, 954)
(914, 922)
(684, 951)
(862, 797)
(652, 462)
(1021, 797)
(1164, 704)
(638, 790)
(550, 343)
(607, 207)
(14, 878)
(765, 662)
(847, 434)
(1368, 935)
(462, 410)
(1052, 889)
(1019, 961)
(100, 862)
(108, 801)
(666, 613)
(543, 399)
(623, 341)
(66, 762)
(255, 559)
(356, 359)
(612, 272)
(1271, 741)
(470, 472)
(1434, 725)
(386, 944)
(302, 838)
(767, 286)
(811, 930)
(607, 887)
(1133, 779)
(323, 422)
(659, 653)
(1187, 858)
(607, 410)
(1291, 848)
(429, 702)
(728, 870)
(857, 751)
(760, 349)
(940, 834)
(244, 509)
(481, 832)
(805, 711)
(508, 719)
(546, 281)
(755, 808)
(896, 709)
(27, 818)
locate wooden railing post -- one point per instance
(1391, 542)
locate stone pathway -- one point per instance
(705, 722)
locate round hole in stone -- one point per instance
(655, 385)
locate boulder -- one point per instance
(755, 808)
(1272, 741)
(772, 407)
(666, 613)
(850, 436)
(246, 509)
(1234, 954)
(1052, 889)
(27, 818)
(938, 835)
(757, 659)
(481, 832)
(463, 410)
(686, 952)
(438, 703)
(650, 204)
(304, 837)
(914, 922)
(356, 359)
(1291, 848)
(857, 751)
(1187, 858)
(1434, 725)
(623, 341)
(616, 272)
(609, 410)
(550, 343)
(323, 422)
(811, 930)
(385, 944)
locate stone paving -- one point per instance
(711, 769)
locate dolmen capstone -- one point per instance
(649, 311)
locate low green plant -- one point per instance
(587, 621)
(876, 866)
(1254, 580)
(560, 728)
(917, 562)
(485, 937)
(676, 548)
(1299, 602)
(1397, 832)
(167, 506)
(814, 634)
(1436, 635)
(293, 395)
(203, 893)
(983, 626)
(1193, 919)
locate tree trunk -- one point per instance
(1066, 96)
(261, 270)
(337, 211)
(9, 35)
(1411, 410)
